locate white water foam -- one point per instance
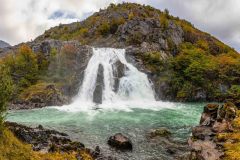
(135, 90)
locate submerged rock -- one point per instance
(161, 132)
(120, 141)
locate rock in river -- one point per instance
(120, 141)
(160, 132)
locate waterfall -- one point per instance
(133, 85)
(110, 82)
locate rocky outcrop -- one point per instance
(45, 140)
(72, 58)
(38, 96)
(120, 141)
(215, 119)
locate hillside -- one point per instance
(132, 24)
(180, 62)
(184, 63)
(4, 44)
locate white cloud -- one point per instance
(24, 20)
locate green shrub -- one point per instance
(115, 23)
(234, 92)
(104, 28)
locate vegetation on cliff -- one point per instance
(194, 65)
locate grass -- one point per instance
(232, 140)
(13, 149)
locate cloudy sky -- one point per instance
(23, 20)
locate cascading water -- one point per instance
(134, 85)
(118, 84)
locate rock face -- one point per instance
(72, 57)
(120, 141)
(215, 119)
(67, 61)
(49, 95)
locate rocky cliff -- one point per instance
(182, 62)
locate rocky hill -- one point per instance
(184, 63)
(4, 44)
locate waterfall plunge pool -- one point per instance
(128, 106)
(94, 127)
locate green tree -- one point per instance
(6, 88)
(23, 67)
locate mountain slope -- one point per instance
(184, 63)
(131, 24)
(4, 44)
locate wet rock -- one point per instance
(161, 132)
(97, 94)
(118, 72)
(120, 141)
(200, 95)
(44, 140)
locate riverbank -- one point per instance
(217, 136)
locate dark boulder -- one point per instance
(120, 141)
